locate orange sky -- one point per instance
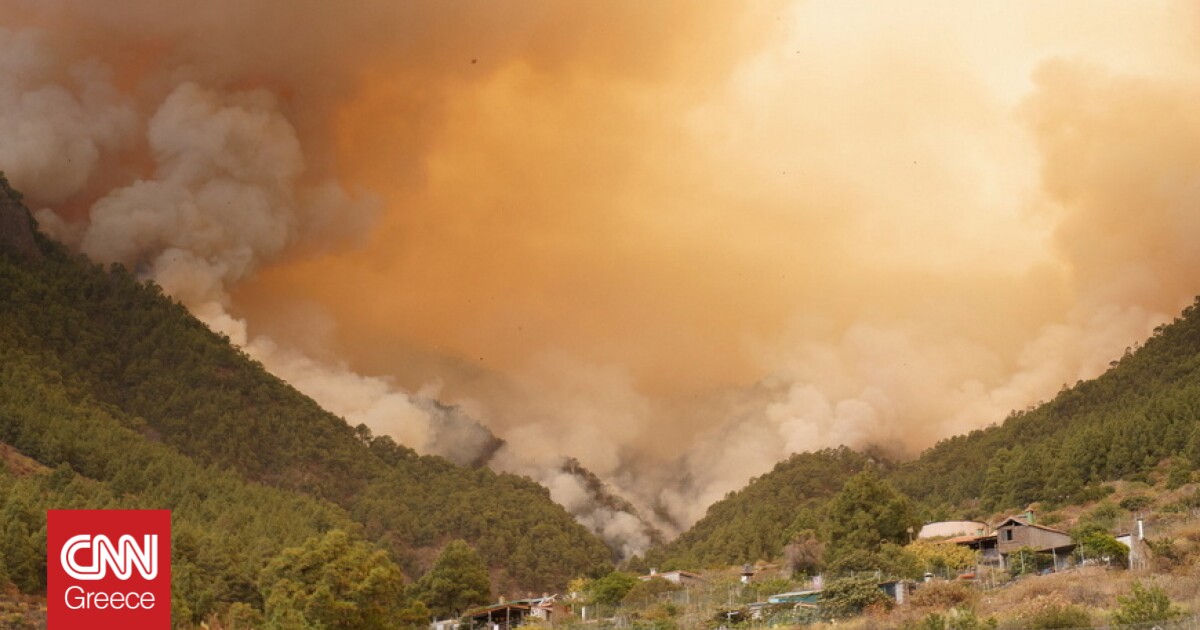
(797, 223)
(674, 193)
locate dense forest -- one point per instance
(1139, 419)
(113, 395)
(127, 400)
(757, 521)
(1142, 413)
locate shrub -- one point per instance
(1059, 615)
(944, 595)
(1136, 502)
(847, 597)
(1027, 560)
(955, 619)
(1094, 493)
(1144, 604)
(1097, 543)
(1053, 518)
(1179, 473)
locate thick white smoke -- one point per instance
(227, 192)
(846, 163)
(894, 389)
(57, 117)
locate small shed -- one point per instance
(811, 597)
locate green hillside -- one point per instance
(757, 521)
(131, 401)
(1138, 421)
(1122, 425)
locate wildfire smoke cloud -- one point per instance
(676, 243)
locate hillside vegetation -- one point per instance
(1144, 410)
(756, 522)
(1138, 421)
(130, 401)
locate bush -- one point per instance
(1144, 604)
(1096, 543)
(612, 588)
(1094, 493)
(847, 597)
(892, 561)
(1179, 473)
(1026, 560)
(944, 595)
(955, 619)
(1059, 615)
(1053, 518)
(1136, 502)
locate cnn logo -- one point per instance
(122, 557)
(108, 569)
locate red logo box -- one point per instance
(108, 569)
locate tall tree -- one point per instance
(457, 581)
(867, 513)
(335, 582)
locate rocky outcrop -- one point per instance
(17, 226)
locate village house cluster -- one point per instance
(996, 547)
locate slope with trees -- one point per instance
(122, 392)
(1140, 419)
(756, 522)
(1121, 425)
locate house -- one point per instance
(546, 608)
(510, 614)
(1014, 532)
(682, 578)
(502, 616)
(985, 545)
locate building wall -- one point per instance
(1025, 536)
(951, 528)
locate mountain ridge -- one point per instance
(117, 354)
(1123, 424)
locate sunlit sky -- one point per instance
(627, 231)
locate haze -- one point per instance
(677, 241)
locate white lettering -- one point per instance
(79, 599)
(121, 558)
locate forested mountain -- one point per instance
(1141, 412)
(1139, 419)
(133, 402)
(757, 521)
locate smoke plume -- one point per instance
(675, 243)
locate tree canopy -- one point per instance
(866, 514)
(125, 400)
(458, 581)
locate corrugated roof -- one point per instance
(1024, 523)
(488, 609)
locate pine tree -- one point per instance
(457, 582)
(867, 513)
